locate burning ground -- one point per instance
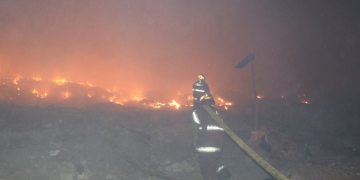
(67, 143)
(82, 80)
(60, 92)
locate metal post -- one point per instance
(256, 97)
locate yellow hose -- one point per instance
(275, 173)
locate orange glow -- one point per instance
(173, 103)
(260, 97)
(67, 95)
(17, 79)
(89, 84)
(106, 95)
(43, 96)
(36, 92)
(111, 99)
(305, 102)
(223, 103)
(60, 81)
(136, 98)
(157, 105)
(221, 100)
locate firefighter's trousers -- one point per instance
(209, 144)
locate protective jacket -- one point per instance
(199, 89)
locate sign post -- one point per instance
(242, 64)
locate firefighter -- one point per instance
(209, 136)
(199, 88)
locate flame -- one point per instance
(173, 103)
(111, 99)
(43, 96)
(17, 79)
(60, 81)
(305, 102)
(260, 97)
(89, 84)
(136, 98)
(157, 105)
(36, 92)
(223, 103)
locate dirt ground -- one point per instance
(59, 143)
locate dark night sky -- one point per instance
(300, 46)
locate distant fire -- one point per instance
(173, 103)
(59, 90)
(60, 81)
(223, 103)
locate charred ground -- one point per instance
(308, 142)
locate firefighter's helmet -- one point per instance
(201, 78)
(205, 97)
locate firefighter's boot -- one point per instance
(223, 173)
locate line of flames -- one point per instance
(113, 99)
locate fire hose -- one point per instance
(271, 170)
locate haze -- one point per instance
(307, 47)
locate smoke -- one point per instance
(159, 46)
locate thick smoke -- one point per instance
(158, 47)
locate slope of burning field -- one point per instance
(61, 92)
